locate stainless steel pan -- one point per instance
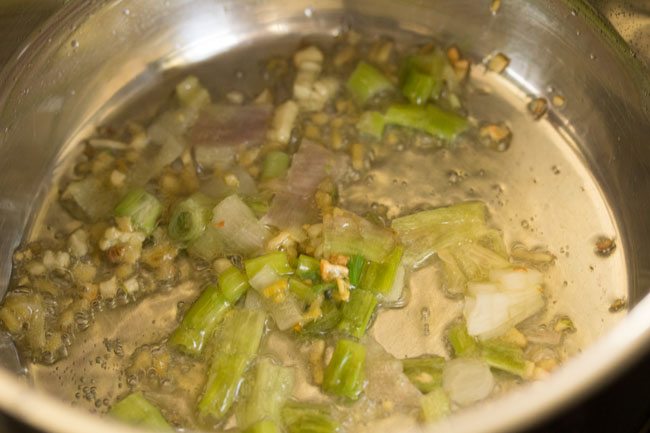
(92, 58)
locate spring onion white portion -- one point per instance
(495, 307)
(467, 380)
(264, 278)
(242, 233)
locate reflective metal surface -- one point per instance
(94, 57)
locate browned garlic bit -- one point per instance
(558, 101)
(538, 107)
(497, 62)
(496, 136)
(495, 5)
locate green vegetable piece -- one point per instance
(259, 204)
(208, 246)
(367, 81)
(200, 321)
(142, 208)
(190, 217)
(308, 418)
(237, 345)
(431, 65)
(372, 123)
(349, 234)
(233, 284)
(461, 342)
(277, 261)
(418, 87)
(428, 118)
(357, 312)
(435, 405)
(328, 321)
(275, 165)
(265, 393)
(379, 277)
(356, 266)
(264, 426)
(506, 357)
(345, 374)
(424, 372)
(302, 290)
(136, 410)
(308, 268)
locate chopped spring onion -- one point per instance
(89, 198)
(264, 393)
(367, 81)
(428, 118)
(349, 234)
(200, 321)
(331, 316)
(308, 418)
(238, 342)
(277, 261)
(418, 87)
(423, 77)
(209, 245)
(506, 357)
(276, 165)
(372, 123)
(379, 277)
(142, 208)
(308, 292)
(240, 231)
(344, 375)
(357, 312)
(435, 405)
(308, 268)
(467, 380)
(461, 342)
(286, 314)
(136, 410)
(264, 426)
(356, 266)
(190, 217)
(424, 372)
(233, 284)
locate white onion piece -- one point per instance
(264, 278)
(474, 288)
(517, 278)
(467, 380)
(489, 315)
(286, 313)
(242, 233)
(253, 301)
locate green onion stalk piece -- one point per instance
(349, 234)
(506, 357)
(264, 426)
(435, 405)
(308, 268)
(190, 217)
(136, 410)
(233, 284)
(142, 208)
(356, 266)
(277, 261)
(235, 348)
(461, 342)
(424, 372)
(276, 165)
(379, 277)
(357, 312)
(367, 81)
(330, 318)
(200, 321)
(427, 118)
(308, 418)
(264, 393)
(345, 374)
(423, 77)
(308, 292)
